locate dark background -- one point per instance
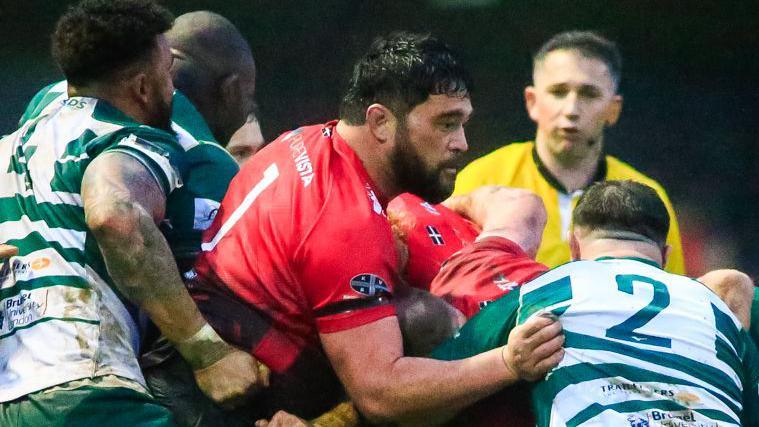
(689, 83)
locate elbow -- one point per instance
(115, 222)
(382, 408)
(377, 410)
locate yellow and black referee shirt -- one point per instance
(518, 165)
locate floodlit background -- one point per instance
(690, 84)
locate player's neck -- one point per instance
(592, 249)
(114, 95)
(572, 173)
(372, 157)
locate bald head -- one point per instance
(214, 67)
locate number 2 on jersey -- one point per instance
(626, 330)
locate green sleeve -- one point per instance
(157, 150)
(754, 329)
(487, 330)
(750, 415)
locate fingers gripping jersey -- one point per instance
(301, 238)
(643, 347)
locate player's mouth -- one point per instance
(570, 133)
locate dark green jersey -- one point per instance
(643, 347)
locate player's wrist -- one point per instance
(511, 371)
(204, 348)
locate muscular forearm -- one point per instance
(433, 391)
(142, 267)
(385, 386)
(400, 388)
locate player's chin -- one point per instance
(447, 181)
(448, 177)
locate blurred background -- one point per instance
(690, 84)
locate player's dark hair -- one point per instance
(623, 207)
(589, 45)
(401, 71)
(96, 39)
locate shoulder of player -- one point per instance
(42, 99)
(156, 140)
(618, 170)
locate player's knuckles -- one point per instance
(548, 348)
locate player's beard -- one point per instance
(163, 115)
(160, 110)
(412, 175)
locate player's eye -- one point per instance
(589, 92)
(558, 92)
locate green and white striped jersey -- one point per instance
(209, 169)
(61, 318)
(643, 348)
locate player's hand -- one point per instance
(494, 206)
(534, 347)
(233, 379)
(7, 251)
(513, 213)
(735, 288)
(284, 419)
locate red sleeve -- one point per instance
(348, 269)
(482, 272)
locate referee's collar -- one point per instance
(600, 175)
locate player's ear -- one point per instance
(381, 122)
(665, 252)
(530, 101)
(229, 90)
(138, 87)
(613, 110)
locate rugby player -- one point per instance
(89, 176)
(643, 346)
(214, 67)
(300, 265)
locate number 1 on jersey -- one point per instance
(626, 330)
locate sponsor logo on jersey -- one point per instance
(300, 156)
(435, 235)
(205, 212)
(40, 263)
(74, 103)
(376, 205)
(677, 419)
(369, 284)
(503, 283)
(327, 132)
(429, 208)
(636, 420)
(22, 309)
(645, 389)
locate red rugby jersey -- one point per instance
(483, 272)
(434, 236)
(302, 241)
(432, 233)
